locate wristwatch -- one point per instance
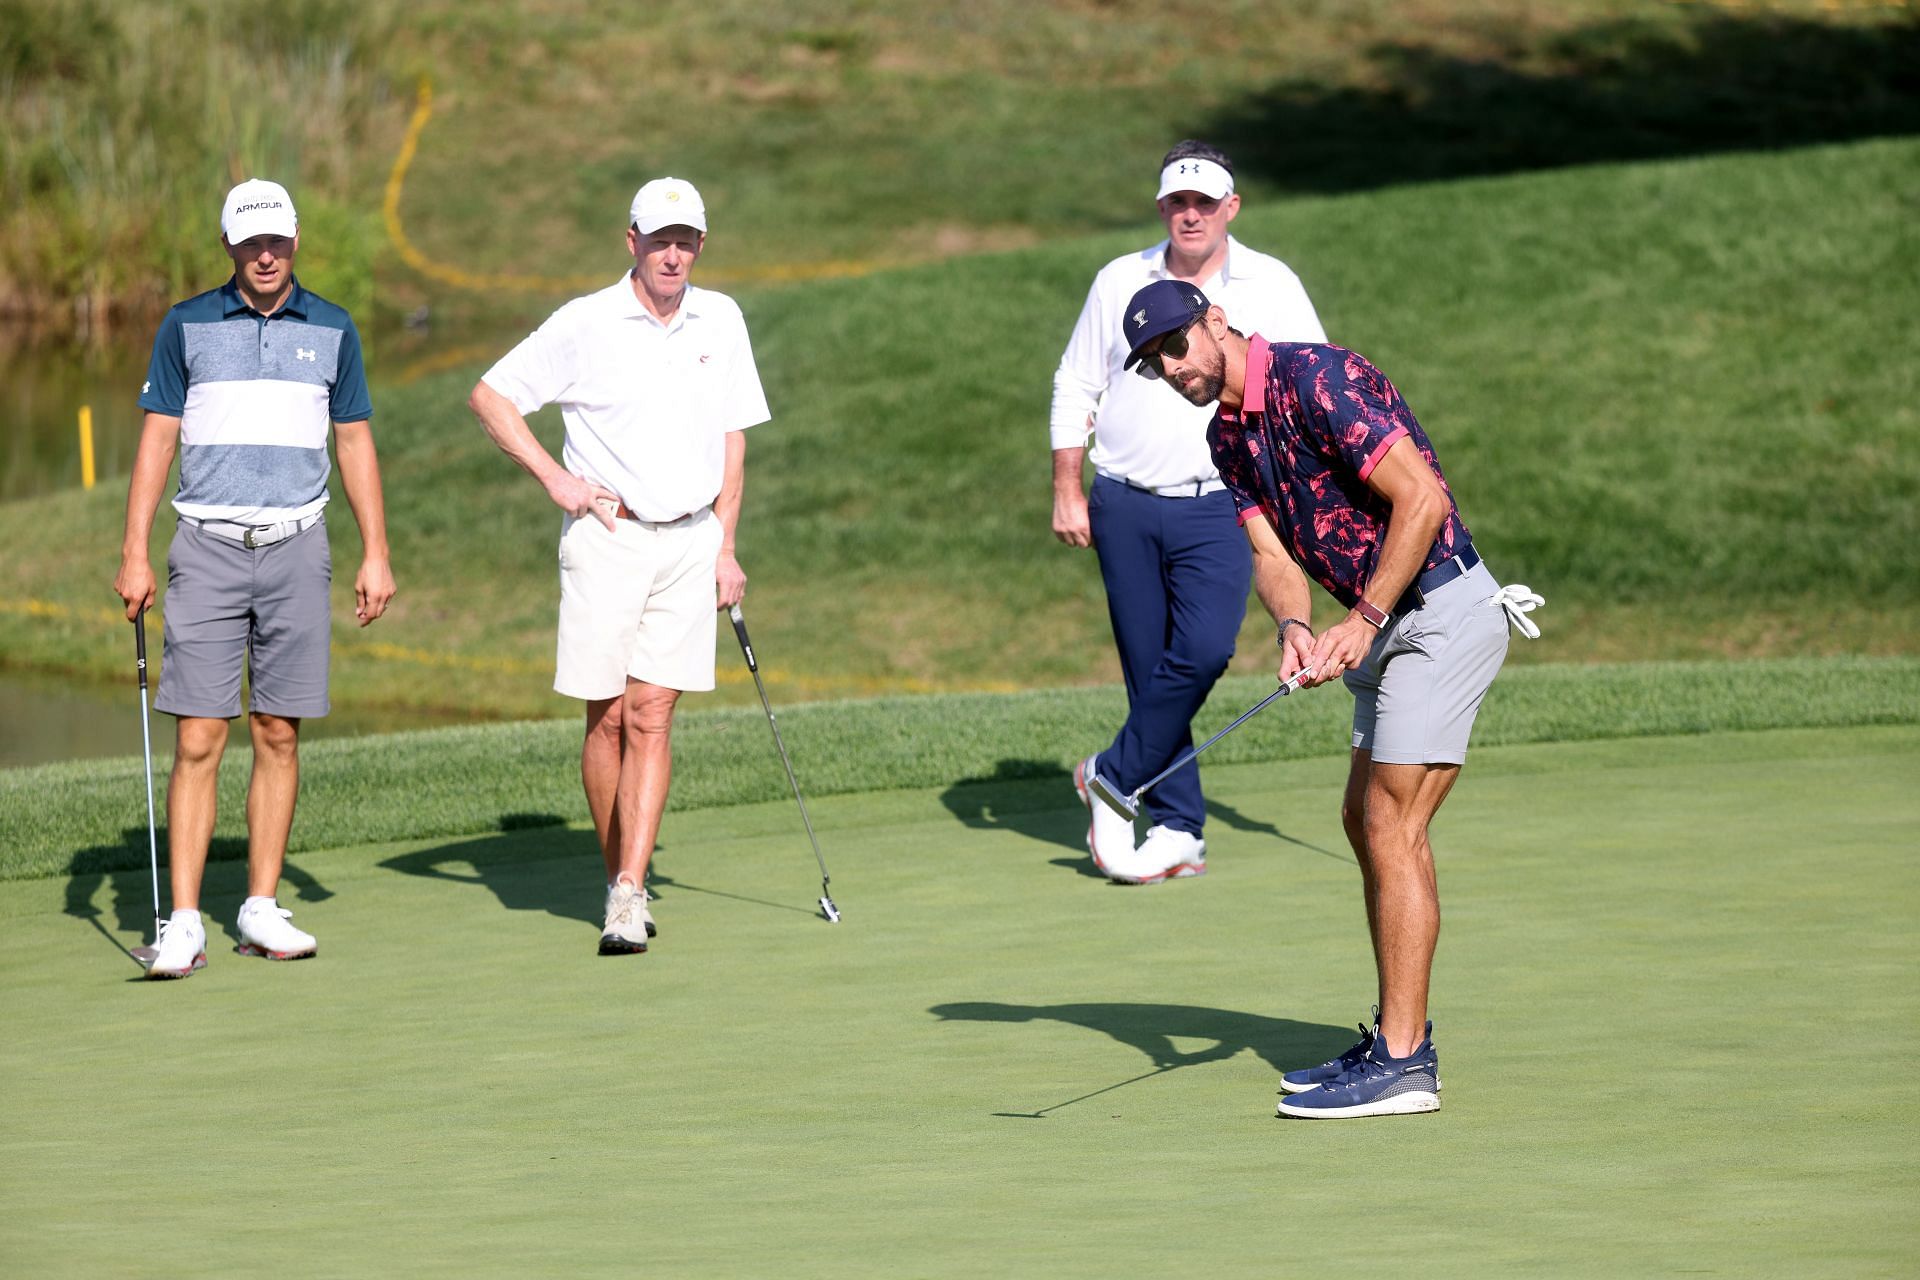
(1377, 617)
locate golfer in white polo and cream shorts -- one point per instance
(656, 385)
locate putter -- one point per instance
(147, 955)
(1127, 804)
(831, 912)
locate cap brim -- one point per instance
(647, 226)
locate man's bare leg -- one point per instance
(193, 792)
(271, 793)
(600, 775)
(646, 769)
(1404, 893)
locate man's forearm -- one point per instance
(360, 477)
(1069, 471)
(1277, 580)
(508, 429)
(733, 487)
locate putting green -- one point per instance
(1673, 994)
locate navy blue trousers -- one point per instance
(1177, 572)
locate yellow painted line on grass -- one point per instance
(486, 281)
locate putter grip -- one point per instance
(140, 643)
(740, 631)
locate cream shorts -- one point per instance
(637, 600)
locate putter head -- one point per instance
(831, 912)
(145, 956)
(1127, 806)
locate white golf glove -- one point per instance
(1519, 600)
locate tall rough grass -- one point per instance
(123, 123)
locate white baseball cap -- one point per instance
(1194, 174)
(258, 208)
(667, 202)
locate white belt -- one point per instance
(1185, 489)
(255, 535)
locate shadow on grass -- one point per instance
(222, 887)
(1035, 799)
(538, 863)
(1634, 88)
(1282, 1043)
(534, 863)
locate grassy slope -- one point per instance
(994, 753)
(1671, 396)
(1639, 998)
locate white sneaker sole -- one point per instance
(1183, 871)
(255, 949)
(1404, 1104)
(1286, 1087)
(612, 944)
(199, 963)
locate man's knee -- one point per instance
(649, 709)
(199, 742)
(275, 736)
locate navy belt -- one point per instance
(1435, 578)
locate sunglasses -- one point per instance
(1174, 344)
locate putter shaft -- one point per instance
(827, 907)
(146, 747)
(1129, 805)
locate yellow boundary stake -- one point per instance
(86, 446)
(485, 282)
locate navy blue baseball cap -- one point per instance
(1161, 307)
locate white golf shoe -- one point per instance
(266, 929)
(182, 946)
(646, 915)
(1176, 854)
(1109, 834)
(625, 933)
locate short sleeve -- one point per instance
(538, 371)
(165, 390)
(350, 401)
(745, 401)
(1359, 412)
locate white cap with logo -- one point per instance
(1194, 174)
(667, 202)
(257, 208)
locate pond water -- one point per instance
(47, 718)
(42, 386)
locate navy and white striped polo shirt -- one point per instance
(254, 395)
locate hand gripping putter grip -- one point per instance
(1127, 804)
(827, 909)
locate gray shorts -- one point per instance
(1415, 697)
(264, 609)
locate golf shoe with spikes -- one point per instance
(182, 946)
(646, 915)
(266, 929)
(1176, 853)
(625, 933)
(1110, 835)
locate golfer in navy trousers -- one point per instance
(1175, 565)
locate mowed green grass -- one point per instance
(1637, 421)
(1674, 974)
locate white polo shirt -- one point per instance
(647, 405)
(1145, 431)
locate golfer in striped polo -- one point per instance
(243, 385)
